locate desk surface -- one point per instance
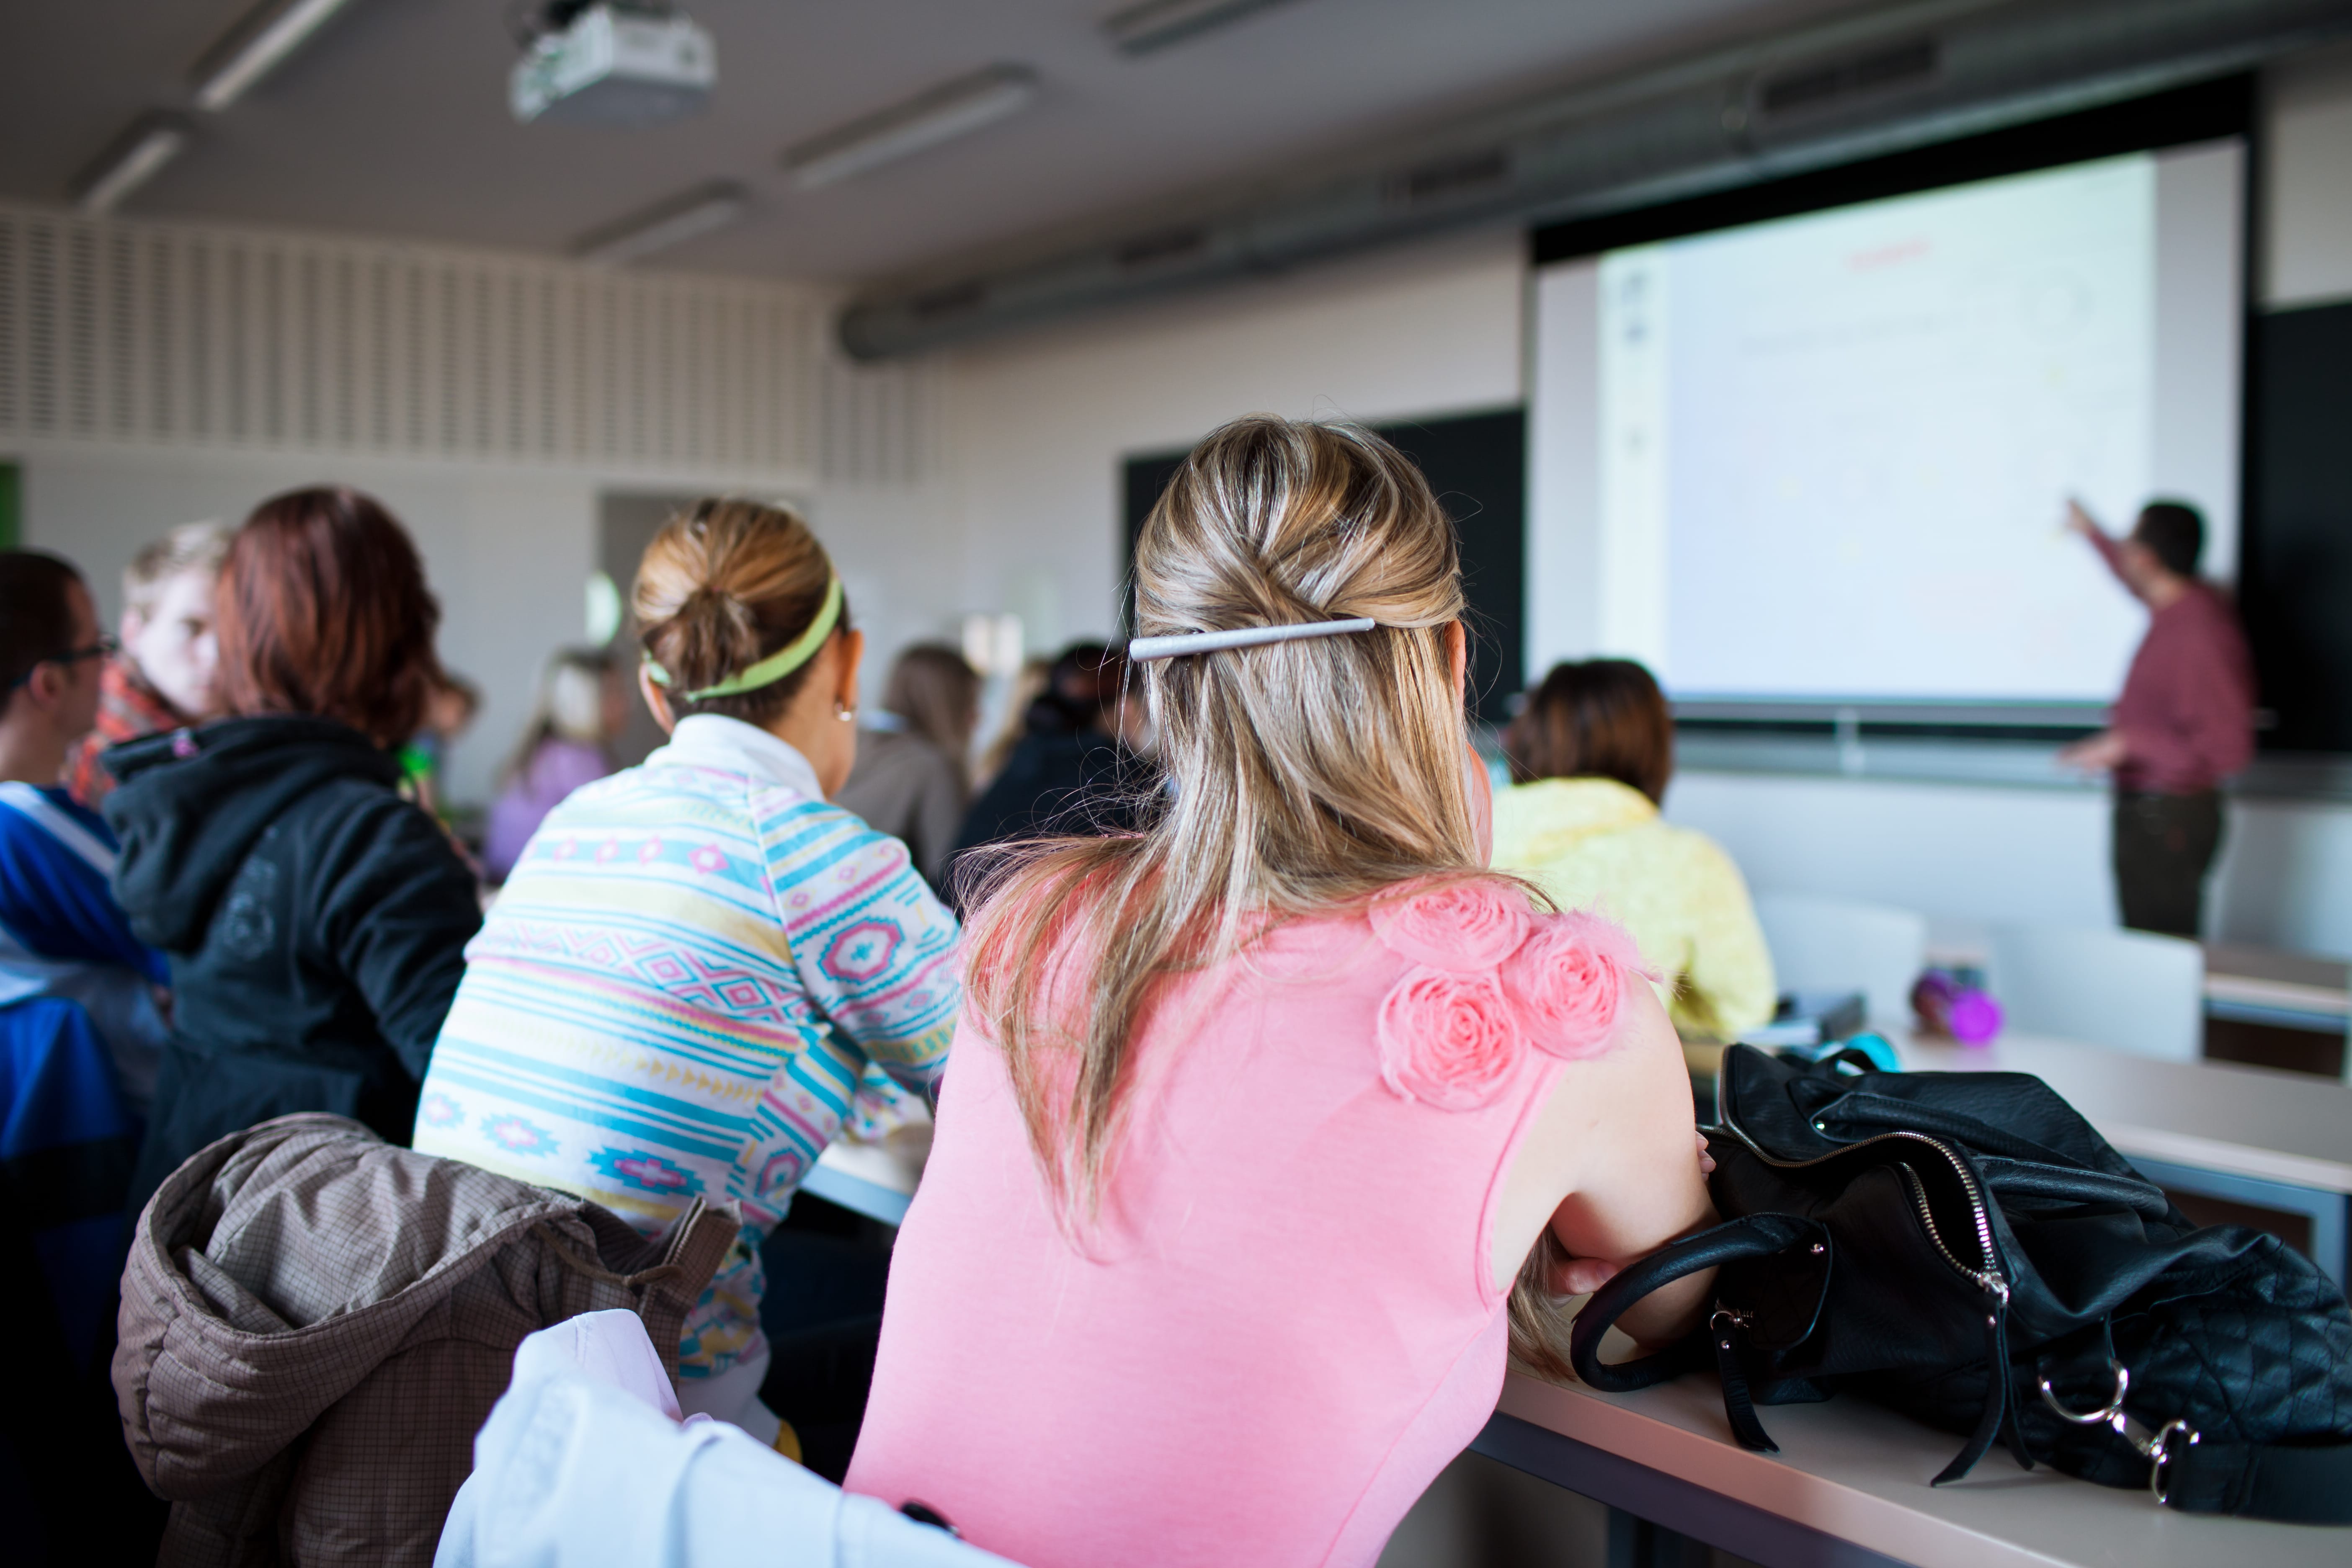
(2217, 1116)
(877, 1180)
(2289, 982)
(1853, 1470)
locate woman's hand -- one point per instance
(1582, 1276)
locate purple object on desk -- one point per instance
(1957, 1005)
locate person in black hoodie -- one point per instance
(1076, 768)
(315, 921)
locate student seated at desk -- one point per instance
(1590, 756)
(695, 960)
(1259, 1115)
(316, 922)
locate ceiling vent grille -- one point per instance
(158, 335)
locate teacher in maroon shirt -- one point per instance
(2184, 722)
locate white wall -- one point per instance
(1993, 854)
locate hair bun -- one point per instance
(723, 585)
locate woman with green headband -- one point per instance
(696, 962)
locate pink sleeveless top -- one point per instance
(1286, 1324)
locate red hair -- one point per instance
(322, 609)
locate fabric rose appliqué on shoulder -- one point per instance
(1567, 980)
(1465, 927)
(1447, 1040)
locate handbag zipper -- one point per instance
(1988, 1278)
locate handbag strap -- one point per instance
(1753, 1236)
(2295, 1484)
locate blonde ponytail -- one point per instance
(1304, 777)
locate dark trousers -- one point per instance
(2164, 846)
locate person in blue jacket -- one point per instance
(62, 934)
(80, 1038)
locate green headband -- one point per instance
(777, 665)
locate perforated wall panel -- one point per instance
(197, 336)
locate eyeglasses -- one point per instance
(104, 647)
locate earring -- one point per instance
(843, 711)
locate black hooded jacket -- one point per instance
(316, 924)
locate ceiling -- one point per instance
(393, 121)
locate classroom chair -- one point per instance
(2126, 990)
(1843, 944)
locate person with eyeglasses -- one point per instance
(61, 932)
(81, 1035)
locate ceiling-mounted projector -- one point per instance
(612, 64)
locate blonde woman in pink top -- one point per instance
(1269, 1130)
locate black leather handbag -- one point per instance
(1963, 1248)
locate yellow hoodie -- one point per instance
(1592, 843)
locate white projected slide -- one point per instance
(1828, 457)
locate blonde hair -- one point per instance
(723, 586)
(1303, 776)
(191, 547)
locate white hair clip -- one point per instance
(1143, 649)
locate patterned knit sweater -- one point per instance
(678, 993)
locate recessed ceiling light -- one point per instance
(1156, 24)
(950, 109)
(657, 228)
(130, 161)
(255, 47)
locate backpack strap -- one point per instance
(1754, 1235)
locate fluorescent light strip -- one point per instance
(131, 162)
(1155, 24)
(255, 47)
(674, 222)
(953, 109)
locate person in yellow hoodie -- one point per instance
(1589, 757)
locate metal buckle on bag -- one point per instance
(2154, 1447)
(2111, 1413)
(2159, 1450)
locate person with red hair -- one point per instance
(315, 921)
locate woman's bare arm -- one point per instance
(1612, 1166)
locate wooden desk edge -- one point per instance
(2229, 1159)
(2286, 995)
(1759, 1480)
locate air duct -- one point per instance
(1878, 82)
